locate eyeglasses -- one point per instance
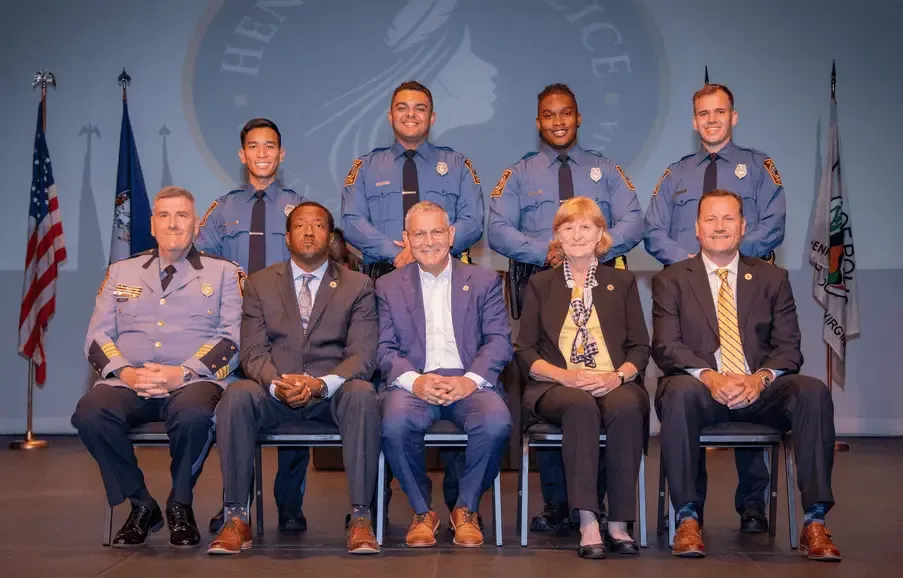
(421, 235)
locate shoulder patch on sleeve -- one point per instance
(103, 284)
(352, 174)
(773, 171)
(207, 214)
(500, 186)
(241, 277)
(658, 185)
(473, 173)
(625, 177)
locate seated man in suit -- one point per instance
(444, 338)
(163, 339)
(727, 337)
(308, 334)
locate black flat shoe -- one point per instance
(623, 547)
(216, 522)
(183, 530)
(592, 551)
(549, 520)
(753, 521)
(292, 520)
(141, 522)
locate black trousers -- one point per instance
(104, 416)
(621, 414)
(247, 407)
(798, 402)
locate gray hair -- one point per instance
(425, 207)
(172, 192)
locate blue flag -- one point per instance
(131, 213)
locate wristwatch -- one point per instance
(766, 379)
(621, 376)
(186, 374)
(323, 391)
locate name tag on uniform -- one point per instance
(534, 193)
(382, 183)
(680, 192)
(230, 223)
(127, 291)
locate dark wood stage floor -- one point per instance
(52, 508)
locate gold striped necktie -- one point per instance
(729, 329)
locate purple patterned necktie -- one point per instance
(305, 300)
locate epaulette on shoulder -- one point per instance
(292, 191)
(756, 152)
(140, 254)
(379, 150)
(445, 148)
(683, 158)
(594, 152)
(217, 257)
(233, 191)
(529, 154)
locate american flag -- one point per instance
(46, 251)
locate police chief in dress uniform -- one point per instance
(521, 210)
(248, 226)
(385, 183)
(164, 341)
(671, 237)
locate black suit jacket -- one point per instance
(685, 324)
(343, 330)
(546, 303)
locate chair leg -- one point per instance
(108, 526)
(791, 493)
(671, 522)
(773, 491)
(380, 498)
(258, 476)
(524, 493)
(642, 502)
(497, 509)
(660, 514)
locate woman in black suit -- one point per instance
(584, 345)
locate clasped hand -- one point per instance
(152, 379)
(439, 390)
(295, 389)
(734, 390)
(596, 383)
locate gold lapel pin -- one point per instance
(748, 276)
(466, 288)
(333, 284)
(611, 287)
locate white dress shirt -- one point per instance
(333, 382)
(715, 286)
(441, 346)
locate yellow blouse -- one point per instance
(569, 331)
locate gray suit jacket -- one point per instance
(342, 333)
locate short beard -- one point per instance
(310, 257)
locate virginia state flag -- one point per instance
(131, 213)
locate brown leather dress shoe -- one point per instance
(422, 532)
(688, 540)
(466, 527)
(361, 539)
(233, 537)
(816, 543)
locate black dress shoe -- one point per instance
(549, 520)
(624, 547)
(753, 521)
(183, 530)
(292, 520)
(216, 522)
(592, 551)
(141, 522)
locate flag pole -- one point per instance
(838, 446)
(41, 78)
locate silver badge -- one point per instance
(289, 209)
(595, 174)
(740, 171)
(441, 168)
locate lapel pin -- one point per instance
(611, 287)
(333, 284)
(466, 288)
(740, 171)
(748, 276)
(207, 289)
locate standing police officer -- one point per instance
(384, 183)
(164, 341)
(248, 226)
(521, 210)
(671, 237)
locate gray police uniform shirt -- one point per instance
(226, 226)
(751, 174)
(195, 322)
(372, 206)
(523, 203)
